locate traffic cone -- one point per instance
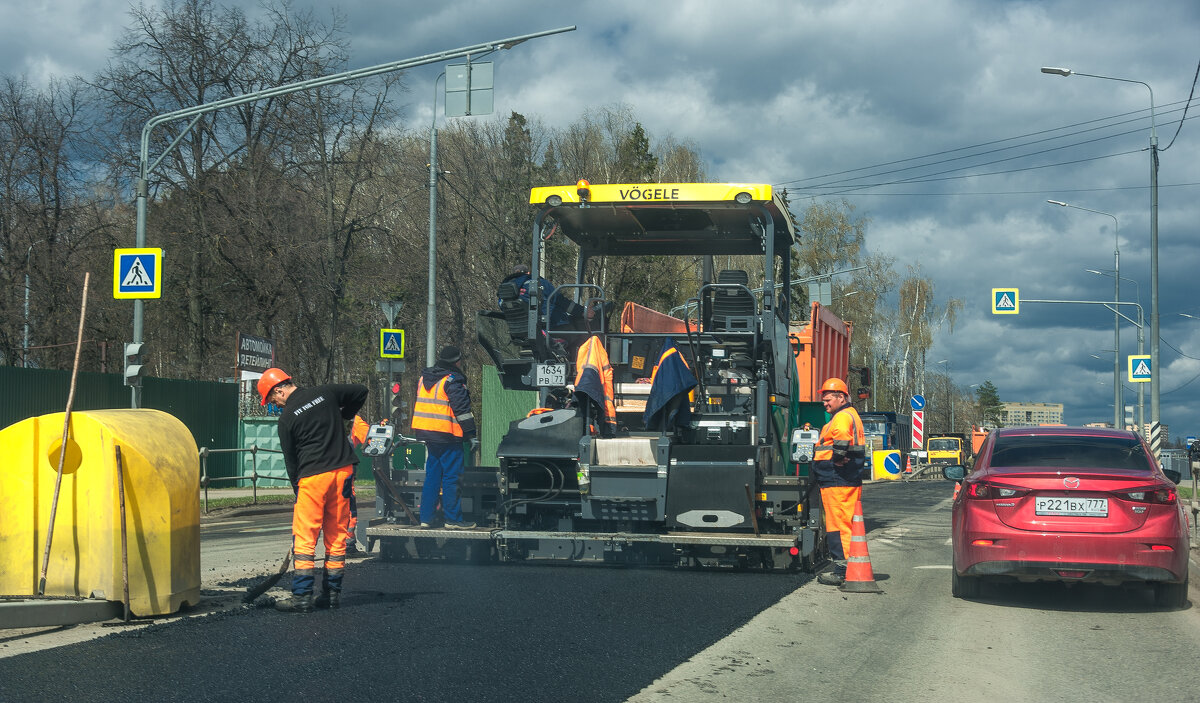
(908, 464)
(859, 576)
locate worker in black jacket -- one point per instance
(320, 465)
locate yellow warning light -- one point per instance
(584, 188)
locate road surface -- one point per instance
(433, 632)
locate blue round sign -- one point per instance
(917, 402)
(891, 463)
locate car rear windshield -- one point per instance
(1117, 453)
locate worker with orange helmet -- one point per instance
(320, 465)
(837, 469)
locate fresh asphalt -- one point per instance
(419, 632)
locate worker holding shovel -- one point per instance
(320, 465)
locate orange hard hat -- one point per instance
(271, 377)
(835, 384)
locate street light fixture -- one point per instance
(1155, 372)
(1116, 297)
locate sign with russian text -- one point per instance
(254, 353)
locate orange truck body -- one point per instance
(977, 437)
(822, 350)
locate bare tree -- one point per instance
(52, 226)
(265, 198)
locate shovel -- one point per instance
(261, 588)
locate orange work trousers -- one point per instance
(839, 503)
(322, 506)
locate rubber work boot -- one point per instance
(329, 599)
(833, 577)
(295, 604)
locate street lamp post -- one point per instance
(25, 341)
(1116, 315)
(1141, 345)
(1154, 369)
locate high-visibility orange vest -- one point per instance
(432, 410)
(845, 424)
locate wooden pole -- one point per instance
(62, 449)
(124, 536)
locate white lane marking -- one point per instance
(282, 528)
(933, 566)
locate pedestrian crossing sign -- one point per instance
(137, 273)
(391, 344)
(1005, 301)
(1140, 369)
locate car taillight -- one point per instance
(1152, 494)
(986, 490)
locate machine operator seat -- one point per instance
(733, 309)
(516, 312)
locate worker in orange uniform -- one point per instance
(837, 468)
(442, 419)
(358, 437)
(320, 465)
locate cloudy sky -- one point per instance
(931, 117)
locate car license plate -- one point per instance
(551, 375)
(1073, 507)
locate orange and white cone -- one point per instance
(908, 464)
(859, 576)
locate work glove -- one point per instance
(474, 444)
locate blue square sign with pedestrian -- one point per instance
(137, 273)
(1140, 368)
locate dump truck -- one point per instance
(655, 439)
(947, 449)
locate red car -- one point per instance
(1069, 504)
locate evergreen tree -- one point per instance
(987, 400)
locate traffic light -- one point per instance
(135, 363)
(397, 411)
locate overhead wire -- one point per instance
(1185, 108)
(849, 185)
(975, 146)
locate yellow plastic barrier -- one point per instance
(161, 467)
(881, 469)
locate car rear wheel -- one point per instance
(963, 586)
(1171, 595)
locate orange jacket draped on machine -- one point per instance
(841, 485)
(594, 382)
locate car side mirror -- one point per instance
(954, 472)
(1174, 475)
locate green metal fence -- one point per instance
(208, 409)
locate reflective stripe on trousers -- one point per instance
(322, 507)
(839, 502)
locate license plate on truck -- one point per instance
(1071, 507)
(551, 375)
